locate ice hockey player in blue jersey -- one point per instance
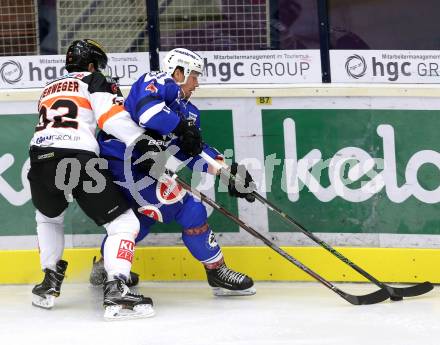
(159, 103)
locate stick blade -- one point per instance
(410, 291)
(371, 298)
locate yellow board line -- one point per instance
(261, 263)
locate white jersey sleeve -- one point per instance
(111, 115)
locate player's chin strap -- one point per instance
(395, 293)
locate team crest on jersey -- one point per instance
(192, 117)
(168, 191)
(212, 242)
(150, 87)
(152, 212)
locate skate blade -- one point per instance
(46, 302)
(220, 292)
(117, 313)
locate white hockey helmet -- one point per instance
(185, 58)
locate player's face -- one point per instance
(191, 83)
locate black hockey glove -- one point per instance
(190, 139)
(152, 147)
(241, 184)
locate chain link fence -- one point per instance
(18, 27)
(214, 24)
(119, 25)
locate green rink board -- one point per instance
(325, 130)
(331, 130)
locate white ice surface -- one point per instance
(188, 314)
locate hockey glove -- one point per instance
(152, 147)
(190, 139)
(241, 184)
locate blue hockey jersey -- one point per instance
(154, 103)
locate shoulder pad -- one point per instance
(99, 83)
(159, 77)
(152, 75)
(170, 80)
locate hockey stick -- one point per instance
(371, 298)
(395, 293)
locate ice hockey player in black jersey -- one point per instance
(64, 165)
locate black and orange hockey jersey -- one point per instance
(72, 106)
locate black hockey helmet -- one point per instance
(82, 52)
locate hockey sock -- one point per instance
(202, 244)
(50, 239)
(119, 246)
(144, 231)
(214, 265)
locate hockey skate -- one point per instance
(122, 304)
(98, 276)
(226, 282)
(43, 294)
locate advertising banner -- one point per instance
(353, 170)
(19, 72)
(385, 66)
(261, 66)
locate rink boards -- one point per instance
(261, 263)
(302, 144)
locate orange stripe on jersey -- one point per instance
(116, 109)
(80, 101)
